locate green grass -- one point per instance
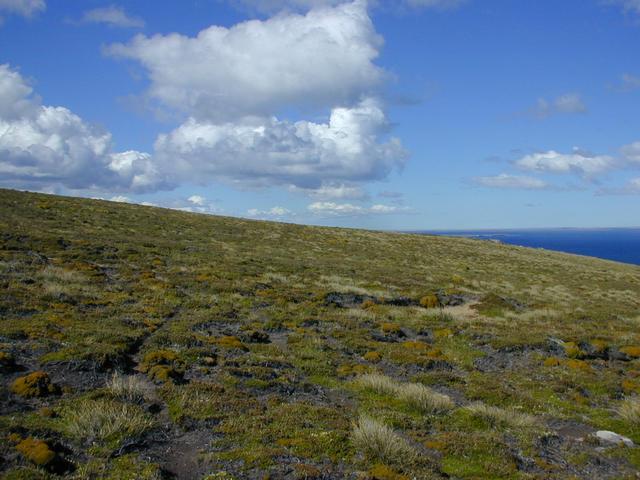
(219, 330)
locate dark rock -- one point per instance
(402, 302)
(348, 300)
(453, 300)
(258, 336)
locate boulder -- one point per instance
(613, 438)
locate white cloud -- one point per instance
(120, 199)
(268, 151)
(332, 209)
(570, 103)
(113, 16)
(45, 146)
(334, 191)
(579, 162)
(631, 153)
(26, 8)
(324, 58)
(511, 181)
(274, 213)
(197, 200)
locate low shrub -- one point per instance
(36, 384)
(36, 451)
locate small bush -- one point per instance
(36, 384)
(429, 301)
(230, 342)
(36, 451)
(500, 416)
(392, 328)
(162, 366)
(633, 352)
(128, 388)
(373, 357)
(105, 420)
(630, 410)
(379, 442)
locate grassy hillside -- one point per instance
(138, 342)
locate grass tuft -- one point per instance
(500, 416)
(378, 441)
(415, 394)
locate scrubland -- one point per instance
(145, 343)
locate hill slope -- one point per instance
(246, 349)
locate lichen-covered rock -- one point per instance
(35, 384)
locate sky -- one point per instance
(398, 115)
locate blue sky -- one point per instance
(413, 114)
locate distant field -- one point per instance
(145, 343)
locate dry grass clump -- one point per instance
(500, 416)
(379, 442)
(105, 420)
(129, 388)
(424, 398)
(630, 410)
(414, 394)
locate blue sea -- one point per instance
(619, 244)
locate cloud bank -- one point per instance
(45, 146)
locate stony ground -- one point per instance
(142, 343)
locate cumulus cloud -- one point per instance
(268, 151)
(197, 200)
(332, 209)
(113, 16)
(333, 191)
(274, 213)
(512, 182)
(261, 67)
(44, 146)
(26, 8)
(583, 163)
(569, 103)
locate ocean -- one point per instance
(618, 244)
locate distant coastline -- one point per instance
(618, 244)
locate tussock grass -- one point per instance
(630, 410)
(129, 388)
(415, 394)
(380, 442)
(500, 416)
(105, 420)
